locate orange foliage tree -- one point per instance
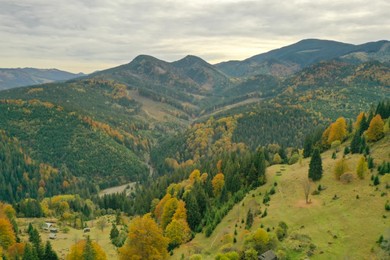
(7, 235)
(86, 249)
(145, 241)
(375, 130)
(338, 130)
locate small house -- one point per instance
(269, 255)
(47, 226)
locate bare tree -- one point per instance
(306, 189)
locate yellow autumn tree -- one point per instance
(178, 231)
(338, 130)
(145, 241)
(218, 182)
(168, 212)
(158, 211)
(7, 235)
(376, 129)
(277, 159)
(362, 168)
(86, 249)
(340, 168)
(194, 176)
(181, 211)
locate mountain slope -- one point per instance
(327, 228)
(11, 78)
(292, 58)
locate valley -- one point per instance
(211, 160)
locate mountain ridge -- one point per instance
(19, 77)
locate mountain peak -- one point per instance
(190, 60)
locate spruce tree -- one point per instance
(249, 219)
(315, 166)
(49, 252)
(307, 146)
(114, 233)
(363, 125)
(356, 143)
(193, 215)
(89, 253)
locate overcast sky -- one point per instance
(89, 35)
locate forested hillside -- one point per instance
(182, 144)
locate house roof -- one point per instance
(269, 255)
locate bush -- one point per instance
(346, 177)
(294, 159)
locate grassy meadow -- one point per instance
(343, 222)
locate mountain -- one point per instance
(11, 78)
(290, 59)
(140, 111)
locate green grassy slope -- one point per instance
(343, 228)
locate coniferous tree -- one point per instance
(49, 252)
(249, 219)
(363, 125)
(307, 146)
(89, 252)
(315, 166)
(193, 215)
(356, 143)
(114, 233)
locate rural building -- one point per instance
(86, 230)
(47, 226)
(269, 255)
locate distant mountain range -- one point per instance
(292, 58)
(130, 110)
(19, 77)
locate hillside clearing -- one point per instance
(337, 222)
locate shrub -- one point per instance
(346, 177)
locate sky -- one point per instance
(89, 35)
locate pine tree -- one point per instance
(307, 146)
(363, 125)
(114, 233)
(89, 253)
(315, 166)
(249, 219)
(49, 252)
(193, 215)
(356, 143)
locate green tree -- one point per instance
(193, 214)
(315, 166)
(249, 219)
(114, 233)
(356, 142)
(89, 252)
(49, 254)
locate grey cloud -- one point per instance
(113, 32)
